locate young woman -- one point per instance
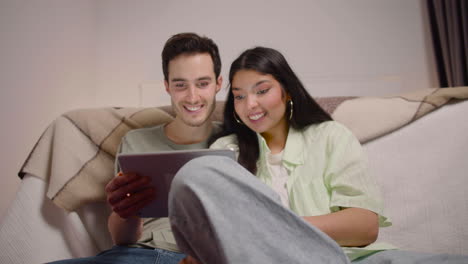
(290, 143)
(311, 191)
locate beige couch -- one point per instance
(421, 164)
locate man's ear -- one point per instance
(219, 83)
(166, 84)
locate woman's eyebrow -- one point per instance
(253, 86)
(260, 82)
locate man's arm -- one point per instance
(124, 231)
(126, 195)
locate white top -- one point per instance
(279, 176)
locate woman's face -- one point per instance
(259, 101)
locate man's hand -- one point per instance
(128, 193)
(189, 260)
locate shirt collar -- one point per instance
(293, 151)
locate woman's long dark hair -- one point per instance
(306, 110)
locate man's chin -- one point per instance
(195, 122)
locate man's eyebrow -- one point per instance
(204, 78)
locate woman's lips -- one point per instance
(256, 116)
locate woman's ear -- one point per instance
(285, 94)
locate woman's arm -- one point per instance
(348, 227)
(352, 190)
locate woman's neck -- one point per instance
(276, 139)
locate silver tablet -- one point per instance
(162, 167)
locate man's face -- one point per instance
(192, 85)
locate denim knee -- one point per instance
(199, 171)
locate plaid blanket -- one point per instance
(75, 155)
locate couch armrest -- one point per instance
(422, 169)
(34, 230)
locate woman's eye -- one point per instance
(264, 91)
(238, 97)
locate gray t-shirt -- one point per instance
(157, 231)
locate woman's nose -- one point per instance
(251, 102)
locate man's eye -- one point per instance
(203, 84)
(180, 85)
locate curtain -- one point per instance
(449, 26)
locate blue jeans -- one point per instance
(128, 255)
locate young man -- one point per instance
(191, 66)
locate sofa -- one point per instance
(417, 145)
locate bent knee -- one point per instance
(206, 162)
(199, 171)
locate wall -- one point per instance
(47, 52)
(362, 47)
(57, 55)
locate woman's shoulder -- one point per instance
(326, 128)
(330, 133)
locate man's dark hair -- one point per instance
(189, 44)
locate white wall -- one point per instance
(47, 51)
(338, 47)
(62, 54)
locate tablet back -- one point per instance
(162, 167)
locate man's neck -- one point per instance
(183, 134)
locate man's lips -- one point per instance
(193, 108)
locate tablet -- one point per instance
(162, 167)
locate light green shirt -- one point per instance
(327, 170)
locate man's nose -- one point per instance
(192, 94)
